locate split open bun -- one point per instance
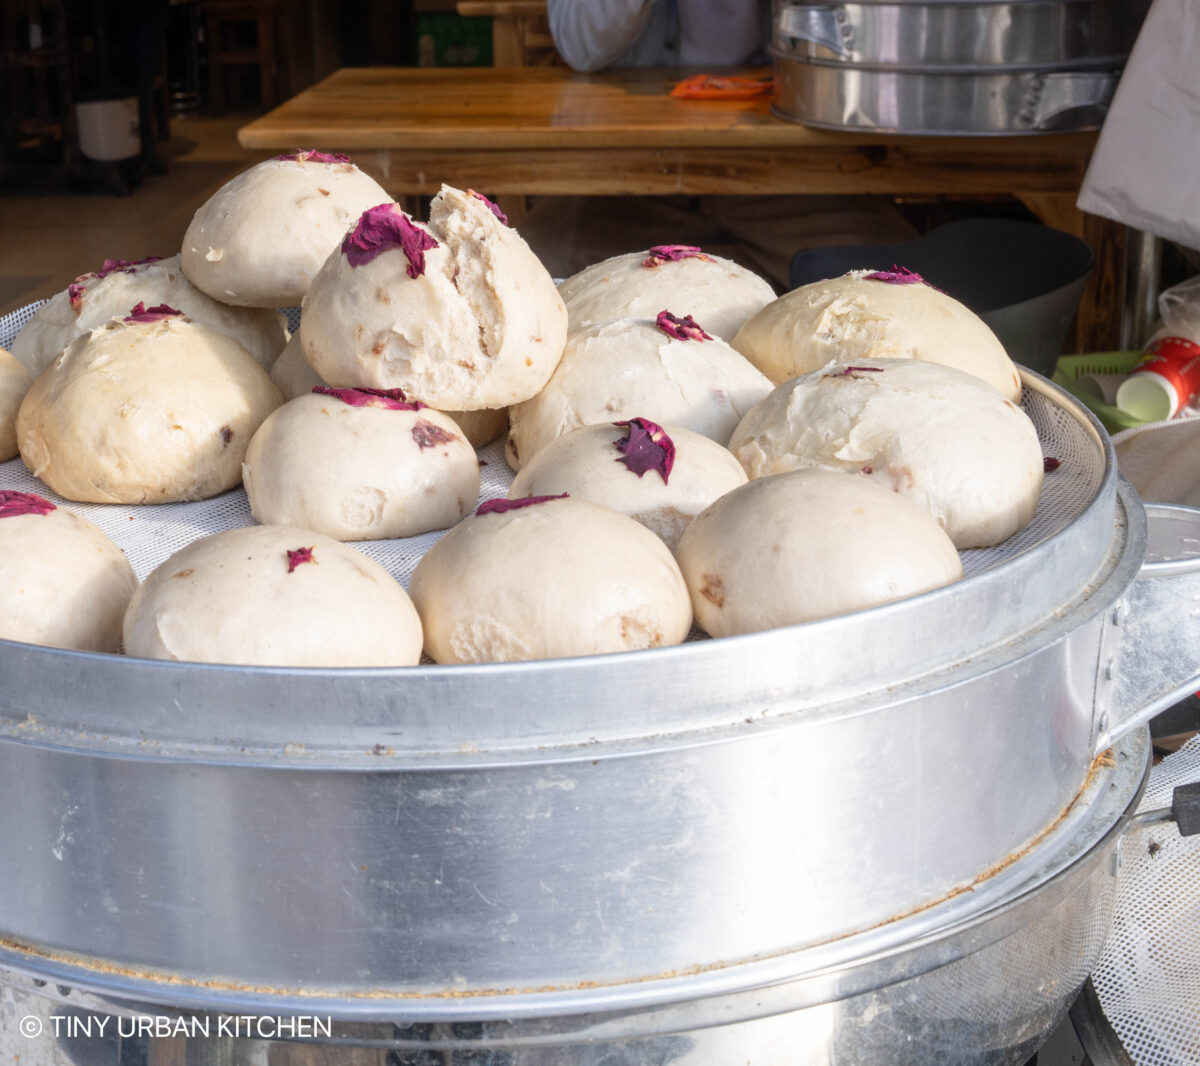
(151, 411)
(544, 579)
(272, 596)
(357, 466)
(260, 239)
(636, 368)
(873, 315)
(458, 312)
(717, 291)
(937, 436)
(15, 379)
(92, 299)
(660, 476)
(63, 583)
(806, 545)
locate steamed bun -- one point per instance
(805, 545)
(92, 299)
(942, 438)
(546, 578)
(272, 596)
(63, 583)
(873, 315)
(459, 312)
(720, 292)
(639, 368)
(153, 408)
(259, 240)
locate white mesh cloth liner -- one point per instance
(1148, 977)
(1160, 460)
(149, 534)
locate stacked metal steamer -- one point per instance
(882, 837)
(949, 66)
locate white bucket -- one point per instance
(109, 129)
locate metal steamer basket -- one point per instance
(949, 66)
(886, 837)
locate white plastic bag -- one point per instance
(1144, 170)
(1179, 310)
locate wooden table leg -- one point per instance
(508, 48)
(1097, 326)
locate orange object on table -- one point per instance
(708, 87)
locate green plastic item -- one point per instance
(451, 40)
(1071, 372)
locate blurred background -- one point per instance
(118, 118)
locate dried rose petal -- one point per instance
(124, 266)
(850, 371)
(384, 227)
(427, 435)
(313, 156)
(682, 329)
(154, 314)
(77, 288)
(298, 556)
(672, 253)
(389, 399)
(1049, 464)
(501, 505)
(898, 275)
(13, 503)
(646, 446)
(491, 206)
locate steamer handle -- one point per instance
(1184, 811)
(826, 27)
(1155, 661)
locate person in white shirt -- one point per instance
(594, 34)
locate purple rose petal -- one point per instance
(389, 399)
(13, 504)
(297, 556)
(646, 446)
(672, 253)
(427, 435)
(898, 275)
(682, 329)
(491, 206)
(384, 227)
(500, 506)
(77, 288)
(140, 313)
(313, 156)
(850, 371)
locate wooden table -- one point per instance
(549, 130)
